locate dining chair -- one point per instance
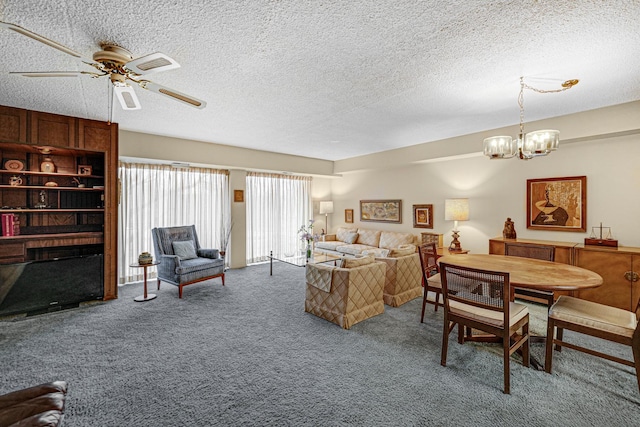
(596, 320)
(430, 276)
(528, 250)
(480, 299)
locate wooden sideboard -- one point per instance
(619, 268)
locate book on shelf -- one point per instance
(10, 225)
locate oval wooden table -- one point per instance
(529, 273)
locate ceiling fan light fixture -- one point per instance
(127, 97)
(152, 63)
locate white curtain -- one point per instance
(277, 206)
(163, 196)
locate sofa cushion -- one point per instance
(357, 262)
(330, 245)
(401, 251)
(184, 249)
(368, 237)
(351, 238)
(353, 249)
(391, 239)
(342, 232)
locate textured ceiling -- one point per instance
(330, 79)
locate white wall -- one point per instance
(497, 189)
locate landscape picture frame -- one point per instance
(557, 204)
(381, 211)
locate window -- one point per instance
(277, 205)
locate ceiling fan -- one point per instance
(118, 64)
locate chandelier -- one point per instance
(528, 145)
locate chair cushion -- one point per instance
(355, 249)
(184, 249)
(357, 262)
(593, 315)
(434, 281)
(198, 264)
(495, 318)
(378, 253)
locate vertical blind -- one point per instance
(162, 196)
(277, 205)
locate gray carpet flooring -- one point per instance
(248, 354)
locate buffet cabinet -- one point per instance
(58, 191)
(619, 268)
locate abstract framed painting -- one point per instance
(557, 204)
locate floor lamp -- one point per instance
(326, 208)
(456, 210)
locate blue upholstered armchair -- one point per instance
(182, 261)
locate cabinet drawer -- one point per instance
(11, 250)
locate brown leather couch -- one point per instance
(41, 405)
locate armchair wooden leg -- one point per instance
(158, 283)
(179, 291)
(222, 279)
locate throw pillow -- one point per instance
(402, 250)
(184, 249)
(351, 238)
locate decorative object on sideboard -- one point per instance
(51, 184)
(85, 170)
(13, 165)
(348, 216)
(42, 200)
(15, 181)
(47, 165)
(603, 240)
(326, 208)
(558, 204)
(145, 258)
(509, 231)
(456, 210)
(422, 216)
(531, 144)
(381, 211)
(77, 182)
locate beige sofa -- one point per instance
(403, 281)
(354, 241)
(345, 295)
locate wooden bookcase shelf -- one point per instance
(76, 213)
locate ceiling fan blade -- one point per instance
(127, 97)
(18, 29)
(173, 94)
(52, 73)
(152, 63)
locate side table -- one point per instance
(146, 296)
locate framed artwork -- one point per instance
(422, 216)
(381, 210)
(558, 204)
(238, 195)
(348, 216)
(85, 170)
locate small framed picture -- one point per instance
(423, 216)
(238, 196)
(348, 216)
(85, 170)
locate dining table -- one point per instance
(531, 274)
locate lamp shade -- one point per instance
(456, 209)
(326, 207)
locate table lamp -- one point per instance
(326, 208)
(456, 210)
